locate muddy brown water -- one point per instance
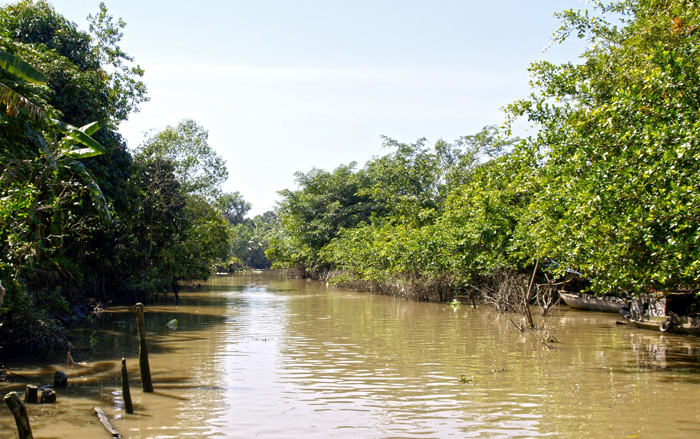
(265, 356)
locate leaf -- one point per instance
(82, 135)
(20, 68)
(12, 100)
(86, 140)
(64, 127)
(98, 198)
(90, 128)
(82, 153)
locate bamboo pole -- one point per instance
(19, 411)
(126, 393)
(143, 350)
(104, 420)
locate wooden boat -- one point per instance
(590, 302)
(671, 325)
(664, 312)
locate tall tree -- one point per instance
(618, 146)
(198, 168)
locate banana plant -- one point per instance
(10, 98)
(62, 152)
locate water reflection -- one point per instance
(270, 357)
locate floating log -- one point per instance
(126, 393)
(19, 411)
(143, 350)
(104, 420)
(31, 394)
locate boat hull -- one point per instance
(591, 303)
(687, 325)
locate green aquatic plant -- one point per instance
(466, 379)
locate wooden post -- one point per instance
(126, 393)
(143, 351)
(31, 394)
(104, 420)
(526, 297)
(19, 411)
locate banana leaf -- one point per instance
(98, 198)
(13, 100)
(20, 68)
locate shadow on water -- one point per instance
(113, 333)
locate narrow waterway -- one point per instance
(270, 357)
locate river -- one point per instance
(265, 356)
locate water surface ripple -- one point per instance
(265, 356)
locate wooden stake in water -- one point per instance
(143, 351)
(126, 393)
(19, 411)
(31, 394)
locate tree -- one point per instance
(618, 148)
(89, 74)
(233, 207)
(198, 168)
(55, 174)
(312, 216)
(404, 181)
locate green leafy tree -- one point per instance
(404, 181)
(54, 174)
(198, 168)
(312, 215)
(618, 147)
(233, 207)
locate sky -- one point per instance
(285, 86)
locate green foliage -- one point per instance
(251, 238)
(48, 197)
(380, 222)
(607, 186)
(29, 322)
(88, 75)
(618, 140)
(313, 215)
(20, 68)
(126, 90)
(202, 244)
(233, 207)
(198, 168)
(404, 181)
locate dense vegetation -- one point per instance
(82, 218)
(607, 187)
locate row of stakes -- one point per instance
(19, 409)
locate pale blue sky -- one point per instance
(284, 86)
